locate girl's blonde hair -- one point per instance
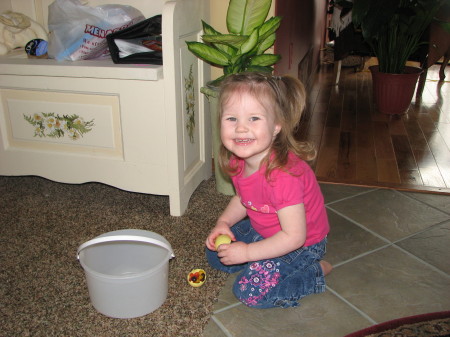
(285, 96)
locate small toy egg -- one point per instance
(196, 277)
(221, 239)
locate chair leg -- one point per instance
(421, 84)
(361, 65)
(337, 71)
(443, 65)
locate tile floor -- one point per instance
(391, 256)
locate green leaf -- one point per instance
(240, 63)
(445, 25)
(269, 27)
(234, 41)
(266, 44)
(216, 83)
(208, 53)
(265, 60)
(209, 92)
(250, 43)
(243, 16)
(208, 30)
(373, 16)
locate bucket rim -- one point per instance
(127, 235)
(145, 273)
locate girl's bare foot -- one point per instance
(326, 267)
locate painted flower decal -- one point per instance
(190, 104)
(55, 126)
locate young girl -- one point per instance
(277, 221)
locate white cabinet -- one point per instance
(141, 128)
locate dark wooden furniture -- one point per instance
(438, 47)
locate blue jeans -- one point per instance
(276, 282)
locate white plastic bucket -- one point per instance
(126, 271)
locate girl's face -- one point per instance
(247, 128)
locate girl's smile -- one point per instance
(247, 129)
(243, 142)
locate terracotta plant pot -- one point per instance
(392, 93)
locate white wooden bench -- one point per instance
(147, 127)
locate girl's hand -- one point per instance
(216, 231)
(233, 253)
(234, 212)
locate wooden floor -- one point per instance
(359, 146)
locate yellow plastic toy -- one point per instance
(196, 277)
(221, 239)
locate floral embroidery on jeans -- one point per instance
(262, 277)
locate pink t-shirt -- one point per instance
(264, 198)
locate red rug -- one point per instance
(435, 324)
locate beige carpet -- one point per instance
(42, 285)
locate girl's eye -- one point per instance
(231, 119)
(254, 118)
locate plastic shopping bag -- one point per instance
(78, 32)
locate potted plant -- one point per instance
(394, 29)
(242, 49)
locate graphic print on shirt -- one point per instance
(262, 209)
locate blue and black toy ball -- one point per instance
(36, 47)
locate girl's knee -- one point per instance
(251, 296)
(257, 285)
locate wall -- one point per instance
(300, 37)
(26, 7)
